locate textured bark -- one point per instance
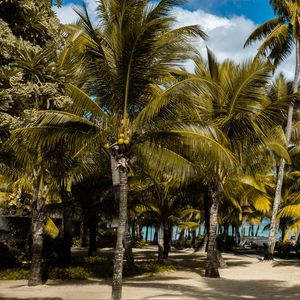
(37, 227)
(67, 204)
(127, 240)
(274, 222)
(161, 242)
(167, 240)
(212, 251)
(119, 251)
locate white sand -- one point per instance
(247, 277)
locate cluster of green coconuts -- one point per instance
(122, 139)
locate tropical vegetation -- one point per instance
(105, 135)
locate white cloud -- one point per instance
(226, 35)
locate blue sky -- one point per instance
(257, 10)
(228, 23)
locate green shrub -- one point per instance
(14, 274)
(149, 267)
(139, 244)
(70, 273)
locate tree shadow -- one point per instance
(224, 289)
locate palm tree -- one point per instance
(242, 112)
(140, 111)
(279, 35)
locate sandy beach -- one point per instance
(247, 277)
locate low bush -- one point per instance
(139, 244)
(69, 273)
(14, 274)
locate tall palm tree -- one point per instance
(140, 108)
(279, 35)
(241, 110)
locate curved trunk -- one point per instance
(212, 251)
(37, 226)
(274, 222)
(119, 251)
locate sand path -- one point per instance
(247, 277)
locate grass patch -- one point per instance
(69, 273)
(83, 268)
(150, 267)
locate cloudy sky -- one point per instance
(227, 22)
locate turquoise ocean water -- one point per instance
(200, 230)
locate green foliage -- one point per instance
(89, 267)
(137, 243)
(150, 267)
(14, 274)
(69, 273)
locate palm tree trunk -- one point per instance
(119, 251)
(274, 222)
(67, 203)
(167, 240)
(116, 188)
(161, 242)
(257, 230)
(194, 238)
(243, 231)
(38, 224)
(147, 230)
(212, 251)
(181, 239)
(83, 233)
